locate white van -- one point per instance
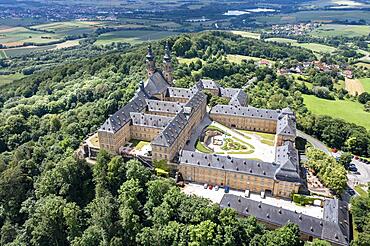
(246, 193)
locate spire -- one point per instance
(150, 55)
(150, 62)
(167, 53)
(167, 64)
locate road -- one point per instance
(316, 143)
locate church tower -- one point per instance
(150, 62)
(167, 65)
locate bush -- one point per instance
(303, 200)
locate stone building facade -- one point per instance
(167, 116)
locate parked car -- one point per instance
(246, 193)
(227, 189)
(210, 187)
(205, 186)
(352, 168)
(217, 188)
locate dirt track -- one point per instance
(353, 86)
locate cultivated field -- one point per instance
(354, 86)
(247, 34)
(365, 84)
(329, 30)
(13, 52)
(351, 111)
(316, 48)
(16, 36)
(132, 36)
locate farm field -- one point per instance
(247, 34)
(316, 48)
(132, 36)
(354, 86)
(365, 84)
(16, 36)
(344, 109)
(71, 27)
(320, 16)
(329, 30)
(26, 50)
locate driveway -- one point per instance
(316, 143)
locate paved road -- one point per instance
(316, 143)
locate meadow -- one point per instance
(320, 16)
(16, 36)
(316, 48)
(6, 79)
(132, 36)
(351, 111)
(366, 84)
(247, 34)
(330, 30)
(240, 58)
(13, 52)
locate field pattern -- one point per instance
(330, 30)
(351, 111)
(316, 48)
(132, 36)
(247, 34)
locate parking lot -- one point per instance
(216, 197)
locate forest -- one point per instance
(49, 197)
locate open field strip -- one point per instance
(132, 36)
(317, 48)
(247, 34)
(6, 79)
(354, 86)
(240, 58)
(350, 111)
(365, 84)
(330, 30)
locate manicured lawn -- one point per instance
(132, 36)
(247, 34)
(202, 148)
(138, 144)
(366, 84)
(345, 109)
(267, 142)
(266, 136)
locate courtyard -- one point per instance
(223, 140)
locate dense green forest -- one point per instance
(48, 197)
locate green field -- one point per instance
(2, 54)
(13, 52)
(319, 16)
(347, 110)
(132, 36)
(187, 61)
(18, 35)
(316, 48)
(247, 34)
(6, 79)
(330, 30)
(71, 27)
(366, 84)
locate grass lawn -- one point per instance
(2, 54)
(317, 48)
(267, 136)
(187, 61)
(330, 30)
(340, 85)
(360, 191)
(132, 36)
(247, 34)
(363, 64)
(202, 148)
(6, 79)
(366, 84)
(345, 109)
(138, 144)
